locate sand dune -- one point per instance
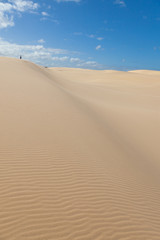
(79, 153)
(150, 72)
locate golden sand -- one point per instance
(79, 153)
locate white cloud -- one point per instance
(41, 41)
(47, 17)
(10, 7)
(98, 47)
(75, 60)
(95, 37)
(91, 36)
(5, 20)
(22, 6)
(120, 2)
(61, 59)
(45, 14)
(84, 64)
(88, 64)
(35, 53)
(100, 38)
(68, 1)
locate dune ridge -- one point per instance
(79, 153)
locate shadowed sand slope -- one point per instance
(79, 154)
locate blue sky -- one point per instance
(95, 34)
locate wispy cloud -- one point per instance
(98, 47)
(48, 17)
(95, 37)
(100, 38)
(68, 1)
(88, 64)
(75, 60)
(60, 59)
(45, 14)
(41, 41)
(120, 3)
(9, 8)
(91, 36)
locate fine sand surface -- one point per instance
(79, 153)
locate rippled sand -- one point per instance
(79, 153)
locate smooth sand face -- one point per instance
(79, 154)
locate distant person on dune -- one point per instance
(20, 57)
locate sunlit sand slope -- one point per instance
(146, 72)
(79, 154)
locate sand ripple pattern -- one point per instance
(77, 159)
